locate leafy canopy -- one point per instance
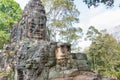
(61, 15)
(104, 52)
(97, 2)
(10, 12)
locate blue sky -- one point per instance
(99, 17)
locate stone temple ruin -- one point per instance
(33, 56)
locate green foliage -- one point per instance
(117, 74)
(4, 38)
(95, 3)
(104, 53)
(92, 33)
(10, 12)
(61, 14)
(8, 74)
(4, 73)
(71, 35)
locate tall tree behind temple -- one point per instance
(104, 53)
(10, 12)
(61, 14)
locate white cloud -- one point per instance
(106, 19)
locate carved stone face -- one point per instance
(36, 30)
(62, 50)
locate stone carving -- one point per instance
(35, 57)
(67, 63)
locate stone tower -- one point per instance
(33, 22)
(30, 42)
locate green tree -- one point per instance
(104, 53)
(4, 38)
(10, 12)
(61, 15)
(73, 36)
(97, 2)
(92, 33)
